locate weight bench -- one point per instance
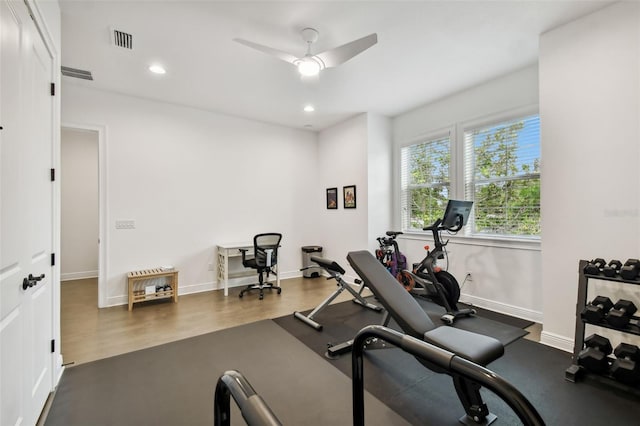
(414, 321)
(335, 271)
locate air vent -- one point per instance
(72, 72)
(122, 39)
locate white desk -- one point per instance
(228, 251)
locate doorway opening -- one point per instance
(81, 211)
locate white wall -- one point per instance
(191, 179)
(79, 204)
(355, 152)
(506, 276)
(380, 177)
(342, 161)
(589, 94)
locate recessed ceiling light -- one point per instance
(309, 108)
(157, 69)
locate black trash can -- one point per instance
(311, 269)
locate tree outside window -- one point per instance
(503, 177)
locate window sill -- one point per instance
(485, 241)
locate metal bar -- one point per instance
(253, 408)
(450, 362)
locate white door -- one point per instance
(26, 217)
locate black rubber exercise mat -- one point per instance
(426, 398)
(174, 384)
(341, 321)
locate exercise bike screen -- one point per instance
(456, 208)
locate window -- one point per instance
(502, 177)
(497, 166)
(425, 182)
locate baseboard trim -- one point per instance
(556, 341)
(202, 287)
(503, 308)
(70, 276)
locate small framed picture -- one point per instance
(349, 196)
(332, 198)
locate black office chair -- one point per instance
(265, 257)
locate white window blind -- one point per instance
(425, 182)
(502, 177)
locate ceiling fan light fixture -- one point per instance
(308, 66)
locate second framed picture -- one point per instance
(349, 196)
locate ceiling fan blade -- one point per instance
(341, 54)
(268, 50)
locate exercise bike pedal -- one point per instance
(448, 319)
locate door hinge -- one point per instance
(53, 345)
(53, 259)
(53, 89)
(53, 175)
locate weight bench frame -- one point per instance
(415, 322)
(335, 271)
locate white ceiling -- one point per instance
(426, 50)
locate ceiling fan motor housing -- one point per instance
(309, 35)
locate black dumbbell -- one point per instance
(630, 269)
(626, 367)
(612, 268)
(594, 356)
(596, 310)
(594, 267)
(620, 315)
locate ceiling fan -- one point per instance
(310, 64)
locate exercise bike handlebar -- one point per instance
(436, 226)
(450, 362)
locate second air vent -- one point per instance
(122, 39)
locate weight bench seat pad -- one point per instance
(474, 347)
(413, 320)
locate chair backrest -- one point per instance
(402, 307)
(265, 247)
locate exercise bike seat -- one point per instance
(412, 318)
(327, 264)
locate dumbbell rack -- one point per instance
(574, 372)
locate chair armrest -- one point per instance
(244, 253)
(268, 253)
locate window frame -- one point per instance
(488, 121)
(456, 132)
(443, 133)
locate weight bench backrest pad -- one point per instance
(402, 307)
(414, 321)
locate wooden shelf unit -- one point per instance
(150, 276)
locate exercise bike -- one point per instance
(429, 280)
(389, 254)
